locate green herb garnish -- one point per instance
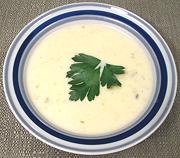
(88, 73)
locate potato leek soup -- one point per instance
(111, 106)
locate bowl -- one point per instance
(161, 103)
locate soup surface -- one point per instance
(114, 109)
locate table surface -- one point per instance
(16, 142)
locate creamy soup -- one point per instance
(114, 109)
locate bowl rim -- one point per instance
(119, 11)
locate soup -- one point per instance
(115, 108)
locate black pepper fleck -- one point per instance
(137, 96)
(46, 100)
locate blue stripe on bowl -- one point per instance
(91, 141)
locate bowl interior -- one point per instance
(79, 19)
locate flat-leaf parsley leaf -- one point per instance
(86, 77)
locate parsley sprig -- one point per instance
(87, 77)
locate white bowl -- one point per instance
(166, 77)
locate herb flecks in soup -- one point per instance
(88, 73)
(115, 108)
